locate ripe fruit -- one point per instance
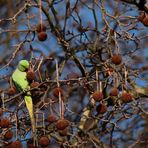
(30, 144)
(8, 135)
(114, 92)
(126, 97)
(16, 144)
(56, 91)
(143, 18)
(11, 91)
(44, 141)
(30, 74)
(97, 96)
(1, 111)
(42, 36)
(116, 59)
(41, 28)
(34, 84)
(51, 119)
(61, 124)
(4, 122)
(63, 132)
(101, 108)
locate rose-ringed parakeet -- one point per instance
(19, 78)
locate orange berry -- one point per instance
(5, 122)
(116, 59)
(56, 91)
(16, 144)
(44, 141)
(30, 74)
(42, 36)
(8, 135)
(51, 119)
(41, 28)
(62, 124)
(11, 91)
(34, 84)
(97, 96)
(101, 108)
(126, 97)
(114, 92)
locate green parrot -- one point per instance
(19, 78)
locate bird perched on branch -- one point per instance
(19, 78)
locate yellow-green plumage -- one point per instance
(19, 78)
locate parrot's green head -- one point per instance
(23, 65)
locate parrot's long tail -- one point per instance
(29, 105)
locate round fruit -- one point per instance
(16, 144)
(8, 135)
(4, 122)
(1, 111)
(97, 96)
(56, 91)
(116, 59)
(30, 74)
(34, 84)
(11, 91)
(51, 119)
(42, 36)
(62, 124)
(101, 108)
(114, 92)
(63, 132)
(30, 144)
(145, 21)
(44, 141)
(41, 28)
(126, 97)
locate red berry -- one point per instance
(30, 144)
(114, 92)
(30, 74)
(41, 28)
(8, 135)
(16, 144)
(34, 84)
(62, 124)
(126, 97)
(11, 91)
(5, 122)
(44, 141)
(1, 111)
(56, 92)
(116, 59)
(101, 108)
(97, 96)
(63, 132)
(51, 119)
(42, 36)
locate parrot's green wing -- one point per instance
(19, 79)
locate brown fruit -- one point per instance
(8, 135)
(34, 84)
(16, 144)
(101, 108)
(30, 74)
(62, 124)
(42, 36)
(114, 92)
(44, 141)
(63, 132)
(41, 28)
(51, 119)
(5, 122)
(1, 111)
(143, 18)
(56, 92)
(145, 21)
(116, 59)
(97, 96)
(11, 91)
(126, 97)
